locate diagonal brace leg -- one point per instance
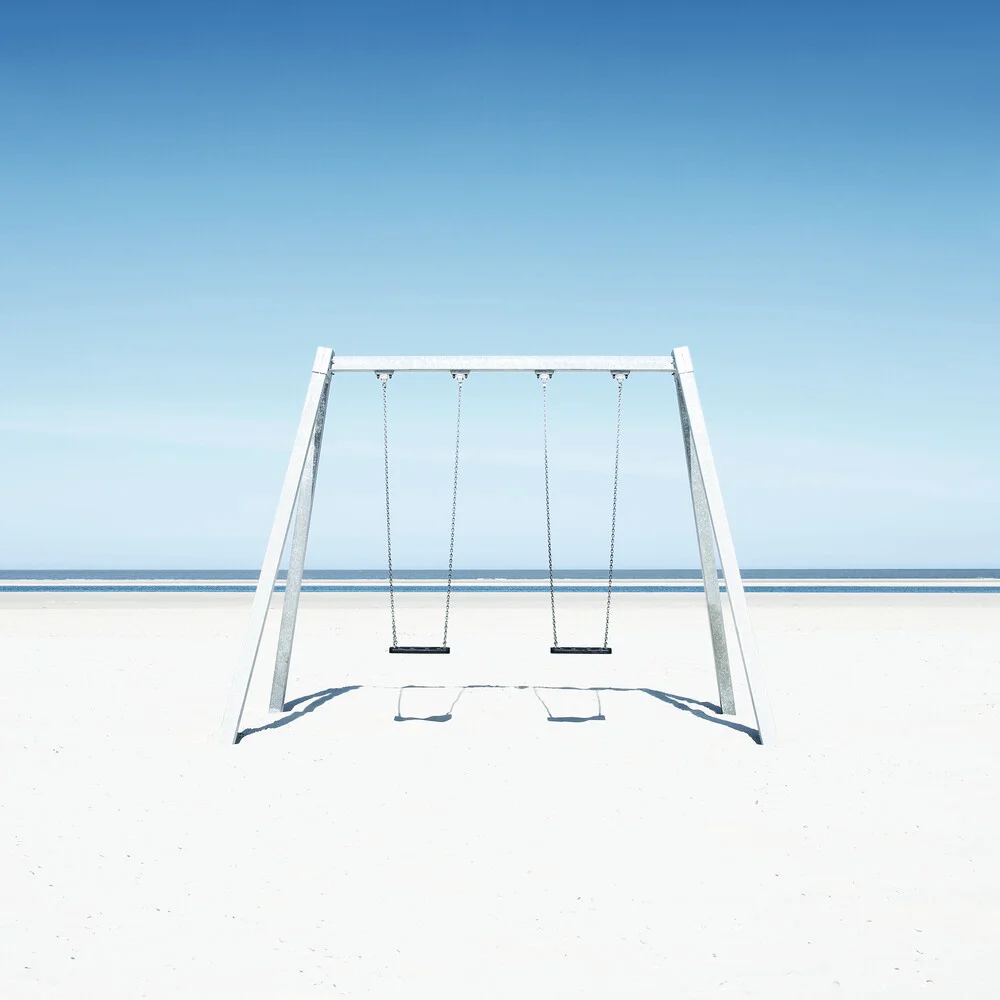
(240, 684)
(702, 453)
(709, 573)
(297, 560)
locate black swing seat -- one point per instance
(420, 649)
(580, 649)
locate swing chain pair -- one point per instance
(384, 376)
(543, 377)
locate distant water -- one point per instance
(816, 581)
(500, 574)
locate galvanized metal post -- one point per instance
(240, 684)
(297, 560)
(709, 572)
(702, 452)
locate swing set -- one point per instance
(295, 504)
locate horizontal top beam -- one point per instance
(502, 363)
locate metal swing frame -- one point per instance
(296, 501)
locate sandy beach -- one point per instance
(499, 822)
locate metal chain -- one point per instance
(544, 378)
(384, 379)
(620, 379)
(460, 378)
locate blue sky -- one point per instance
(193, 197)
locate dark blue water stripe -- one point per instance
(933, 576)
(489, 589)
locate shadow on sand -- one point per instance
(696, 708)
(424, 718)
(598, 716)
(314, 700)
(704, 710)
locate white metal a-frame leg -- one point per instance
(305, 440)
(297, 559)
(711, 523)
(709, 573)
(706, 492)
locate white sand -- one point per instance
(658, 852)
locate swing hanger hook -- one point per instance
(544, 375)
(460, 376)
(619, 376)
(383, 376)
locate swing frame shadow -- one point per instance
(294, 513)
(306, 704)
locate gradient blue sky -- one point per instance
(194, 196)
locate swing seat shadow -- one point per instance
(447, 717)
(597, 716)
(443, 717)
(706, 711)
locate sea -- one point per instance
(642, 581)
